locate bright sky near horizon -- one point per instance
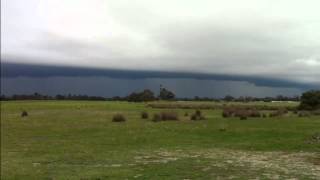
(277, 39)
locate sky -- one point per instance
(278, 40)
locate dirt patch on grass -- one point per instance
(270, 165)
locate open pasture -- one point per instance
(79, 140)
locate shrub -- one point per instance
(167, 116)
(198, 112)
(310, 100)
(24, 114)
(243, 117)
(317, 112)
(193, 117)
(303, 114)
(197, 116)
(118, 118)
(144, 115)
(186, 114)
(227, 112)
(254, 113)
(279, 112)
(156, 117)
(238, 111)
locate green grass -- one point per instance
(77, 139)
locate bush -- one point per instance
(226, 113)
(317, 112)
(156, 117)
(24, 114)
(243, 117)
(240, 112)
(118, 118)
(144, 115)
(310, 100)
(197, 116)
(165, 116)
(193, 117)
(186, 114)
(279, 112)
(303, 114)
(198, 112)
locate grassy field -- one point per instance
(78, 140)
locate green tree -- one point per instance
(146, 95)
(166, 94)
(310, 100)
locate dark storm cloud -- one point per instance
(108, 87)
(44, 71)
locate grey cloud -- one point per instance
(266, 41)
(12, 70)
(108, 87)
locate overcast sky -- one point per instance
(277, 39)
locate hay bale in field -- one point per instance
(118, 118)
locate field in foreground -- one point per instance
(78, 140)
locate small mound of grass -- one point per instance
(24, 114)
(118, 118)
(144, 115)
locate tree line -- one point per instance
(145, 95)
(309, 100)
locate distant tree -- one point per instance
(60, 97)
(310, 100)
(145, 95)
(166, 94)
(3, 98)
